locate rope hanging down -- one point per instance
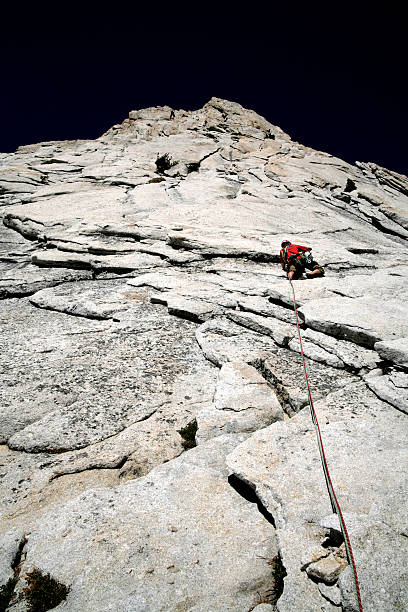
(335, 504)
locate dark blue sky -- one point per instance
(334, 80)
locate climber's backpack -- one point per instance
(309, 258)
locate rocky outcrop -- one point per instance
(157, 448)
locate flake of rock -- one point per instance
(11, 187)
(172, 255)
(179, 306)
(56, 167)
(96, 299)
(29, 279)
(110, 263)
(20, 173)
(391, 388)
(60, 259)
(364, 321)
(243, 402)
(395, 351)
(10, 545)
(333, 352)
(351, 401)
(68, 210)
(122, 263)
(326, 570)
(27, 228)
(227, 246)
(261, 306)
(284, 371)
(281, 333)
(137, 516)
(222, 340)
(281, 293)
(315, 352)
(60, 189)
(331, 593)
(184, 287)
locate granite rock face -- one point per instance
(143, 312)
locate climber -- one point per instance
(296, 258)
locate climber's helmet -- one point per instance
(284, 243)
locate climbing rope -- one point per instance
(335, 504)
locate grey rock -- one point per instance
(112, 263)
(284, 371)
(80, 403)
(97, 230)
(394, 350)
(95, 299)
(195, 310)
(61, 259)
(297, 509)
(391, 388)
(280, 332)
(331, 593)
(364, 321)
(262, 306)
(243, 402)
(334, 352)
(326, 570)
(385, 590)
(172, 543)
(26, 280)
(10, 545)
(222, 340)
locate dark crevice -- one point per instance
(260, 257)
(110, 231)
(164, 162)
(278, 388)
(249, 493)
(386, 230)
(350, 186)
(7, 590)
(195, 166)
(383, 399)
(177, 242)
(362, 250)
(184, 314)
(283, 304)
(334, 539)
(17, 559)
(276, 584)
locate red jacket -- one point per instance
(292, 249)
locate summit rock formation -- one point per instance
(157, 449)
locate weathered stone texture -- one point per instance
(144, 311)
